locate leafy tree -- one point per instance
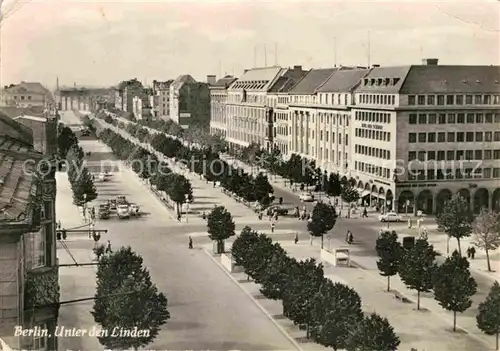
(276, 275)
(488, 317)
(126, 298)
(349, 194)
(389, 251)
(262, 189)
(456, 219)
(179, 188)
(220, 226)
(108, 119)
(417, 267)
(65, 140)
(323, 219)
(373, 333)
(454, 286)
(486, 229)
(336, 308)
(242, 247)
(334, 187)
(262, 254)
(306, 279)
(83, 187)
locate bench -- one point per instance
(401, 297)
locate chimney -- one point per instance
(297, 68)
(430, 61)
(375, 65)
(211, 79)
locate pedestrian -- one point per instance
(272, 227)
(350, 237)
(365, 213)
(296, 240)
(179, 216)
(472, 252)
(281, 200)
(204, 215)
(108, 247)
(59, 224)
(190, 245)
(340, 214)
(260, 215)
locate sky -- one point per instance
(99, 43)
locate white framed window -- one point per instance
(39, 342)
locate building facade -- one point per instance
(218, 105)
(29, 284)
(248, 114)
(423, 133)
(277, 99)
(26, 94)
(189, 102)
(44, 133)
(124, 94)
(161, 98)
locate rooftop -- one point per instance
(224, 82)
(27, 88)
(312, 80)
(183, 79)
(258, 78)
(32, 118)
(343, 80)
(13, 112)
(16, 175)
(288, 80)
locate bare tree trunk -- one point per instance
(459, 247)
(321, 241)
(388, 283)
(497, 341)
(454, 321)
(418, 299)
(489, 269)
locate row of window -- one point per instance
(453, 155)
(451, 174)
(372, 169)
(22, 97)
(376, 117)
(453, 99)
(453, 118)
(372, 134)
(325, 135)
(328, 118)
(377, 99)
(372, 151)
(453, 137)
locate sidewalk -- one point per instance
(75, 282)
(420, 331)
(441, 245)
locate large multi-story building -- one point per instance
(422, 133)
(125, 93)
(161, 98)
(26, 94)
(218, 105)
(303, 107)
(189, 102)
(44, 132)
(141, 107)
(29, 276)
(277, 98)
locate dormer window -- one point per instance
(379, 81)
(365, 81)
(395, 81)
(387, 81)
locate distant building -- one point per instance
(141, 104)
(26, 94)
(161, 98)
(125, 92)
(29, 288)
(189, 102)
(218, 105)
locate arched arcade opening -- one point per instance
(442, 198)
(495, 199)
(481, 199)
(406, 202)
(425, 201)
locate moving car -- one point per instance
(112, 204)
(135, 210)
(306, 197)
(389, 217)
(123, 211)
(121, 200)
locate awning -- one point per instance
(363, 193)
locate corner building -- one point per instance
(423, 133)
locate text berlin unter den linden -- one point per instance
(63, 332)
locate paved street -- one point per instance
(208, 311)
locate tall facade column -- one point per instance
(434, 203)
(490, 202)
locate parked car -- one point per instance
(123, 211)
(306, 197)
(85, 132)
(103, 212)
(390, 217)
(276, 208)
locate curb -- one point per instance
(283, 331)
(439, 314)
